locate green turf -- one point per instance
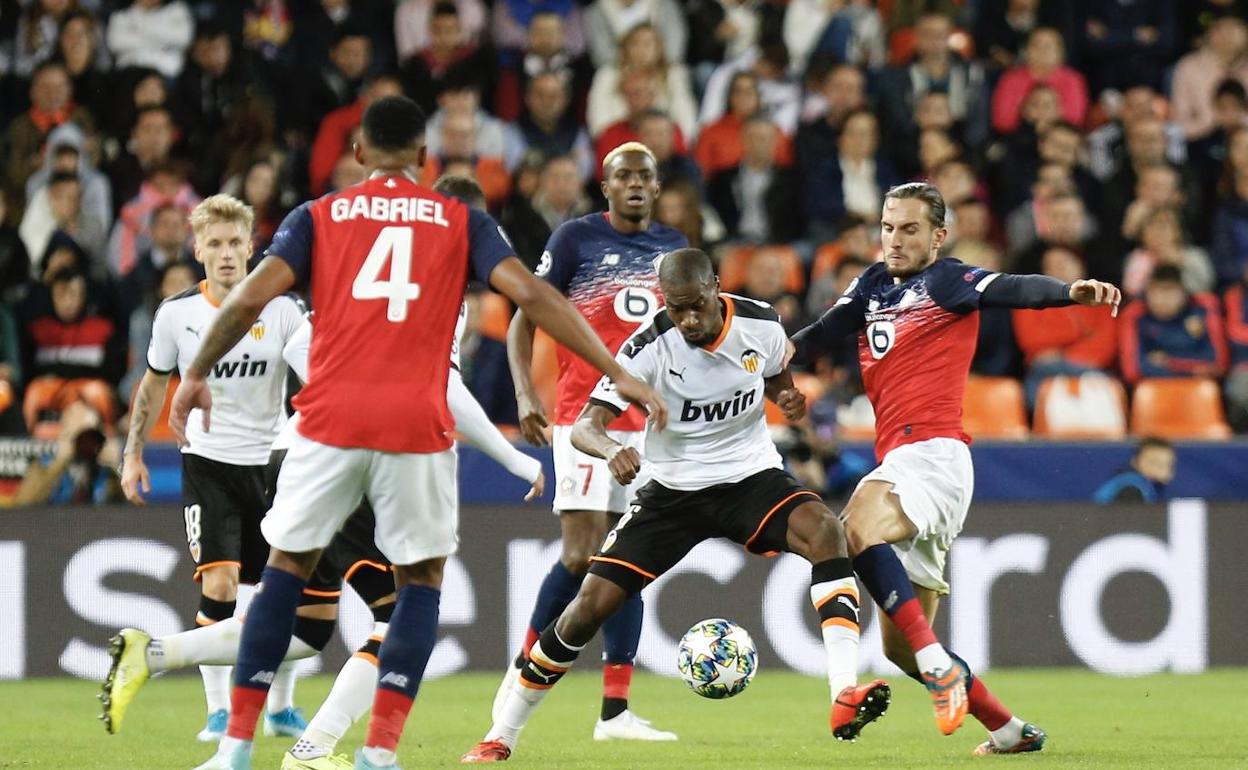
(1092, 722)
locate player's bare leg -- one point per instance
(1007, 734)
(549, 659)
(873, 520)
(815, 534)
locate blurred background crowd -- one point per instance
(1077, 138)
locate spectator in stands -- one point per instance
(1229, 240)
(679, 205)
(758, 199)
(348, 171)
(970, 229)
(79, 48)
(333, 136)
(1002, 30)
(516, 28)
(58, 208)
(1236, 302)
(1156, 187)
(14, 259)
(724, 30)
(553, 45)
(35, 39)
(450, 55)
(641, 50)
(827, 280)
(167, 280)
(560, 197)
(72, 350)
(853, 181)
(765, 281)
(1063, 220)
(658, 132)
(150, 146)
(548, 127)
(608, 21)
(1108, 149)
(137, 90)
(934, 68)
(260, 186)
(151, 33)
(844, 90)
(781, 94)
(1145, 478)
(1066, 341)
(1171, 333)
(1044, 62)
(1163, 242)
(846, 32)
(932, 114)
(720, 145)
(319, 23)
(168, 246)
(268, 28)
(165, 184)
(840, 372)
(82, 468)
(68, 152)
(458, 138)
(459, 94)
(51, 104)
(1024, 222)
(955, 179)
(340, 81)
(1223, 54)
(414, 24)
(639, 93)
(1127, 42)
(1208, 155)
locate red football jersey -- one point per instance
(610, 278)
(387, 261)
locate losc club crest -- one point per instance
(751, 361)
(257, 331)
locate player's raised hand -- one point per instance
(532, 419)
(792, 404)
(539, 486)
(1089, 292)
(135, 479)
(192, 393)
(637, 392)
(624, 462)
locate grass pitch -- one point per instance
(1163, 721)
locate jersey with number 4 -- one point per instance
(915, 348)
(610, 278)
(387, 260)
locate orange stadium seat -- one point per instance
(495, 316)
(811, 387)
(735, 265)
(545, 372)
(994, 408)
(161, 431)
(1089, 407)
(1180, 408)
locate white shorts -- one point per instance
(415, 498)
(934, 480)
(584, 483)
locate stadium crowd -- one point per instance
(1078, 138)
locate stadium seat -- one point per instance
(1179, 408)
(994, 408)
(495, 316)
(811, 387)
(545, 372)
(161, 431)
(735, 264)
(1092, 406)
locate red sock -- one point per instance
(985, 707)
(911, 621)
(616, 679)
(530, 639)
(246, 704)
(385, 727)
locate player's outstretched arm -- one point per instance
(822, 336)
(474, 425)
(239, 311)
(551, 311)
(1036, 292)
(589, 435)
(783, 393)
(520, 361)
(149, 397)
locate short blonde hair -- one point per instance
(628, 147)
(221, 208)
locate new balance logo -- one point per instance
(537, 672)
(263, 677)
(395, 679)
(691, 412)
(890, 601)
(244, 368)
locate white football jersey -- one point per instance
(716, 428)
(460, 326)
(248, 384)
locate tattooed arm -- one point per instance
(149, 397)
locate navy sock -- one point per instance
(267, 630)
(622, 632)
(885, 578)
(558, 590)
(401, 662)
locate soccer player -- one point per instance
(715, 473)
(916, 318)
(604, 263)
(223, 473)
(374, 419)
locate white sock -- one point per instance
(229, 745)
(348, 701)
(216, 686)
(216, 644)
(933, 657)
(1008, 734)
(521, 702)
(840, 629)
(379, 757)
(282, 691)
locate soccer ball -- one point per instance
(716, 658)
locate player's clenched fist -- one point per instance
(792, 404)
(1089, 292)
(624, 462)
